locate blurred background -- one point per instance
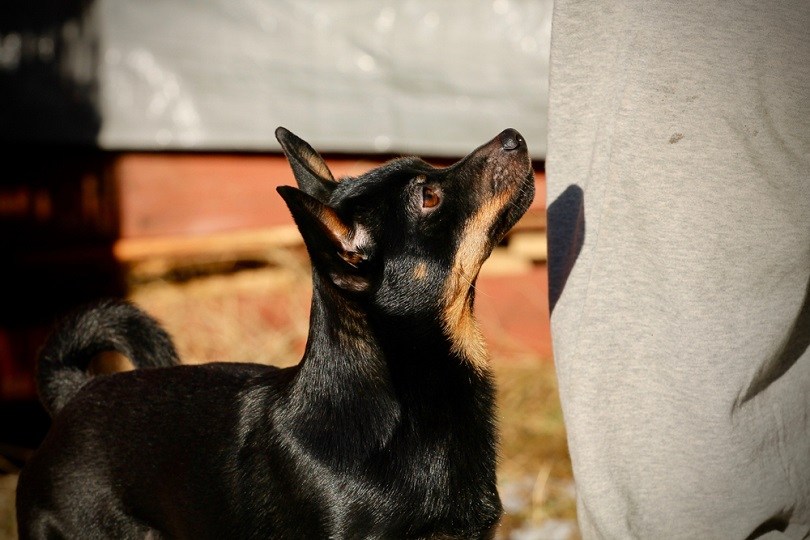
(139, 161)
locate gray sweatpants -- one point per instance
(679, 236)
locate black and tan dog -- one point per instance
(384, 430)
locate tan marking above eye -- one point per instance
(420, 271)
(430, 197)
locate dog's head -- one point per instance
(406, 240)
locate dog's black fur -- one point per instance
(384, 430)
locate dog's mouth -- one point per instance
(522, 195)
(505, 186)
(513, 175)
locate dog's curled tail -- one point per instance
(111, 325)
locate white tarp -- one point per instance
(412, 76)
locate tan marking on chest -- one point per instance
(459, 321)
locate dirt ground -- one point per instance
(217, 317)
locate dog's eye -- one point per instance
(430, 197)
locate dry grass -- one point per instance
(217, 317)
(534, 475)
(8, 526)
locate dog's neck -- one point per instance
(341, 391)
(341, 345)
(347, 345)
(364, 377)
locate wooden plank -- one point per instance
(531, 246)
(239, 243)
(533, 220)
(196, 194)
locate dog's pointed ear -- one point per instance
(310, 170)
(334, 246)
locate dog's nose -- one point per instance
(511, 140)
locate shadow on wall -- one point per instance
(48, 76)
(566, 235)
(56, 222)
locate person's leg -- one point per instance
(679, 243)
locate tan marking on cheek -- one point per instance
(475, 238)
(420, 271)
(459, 321)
